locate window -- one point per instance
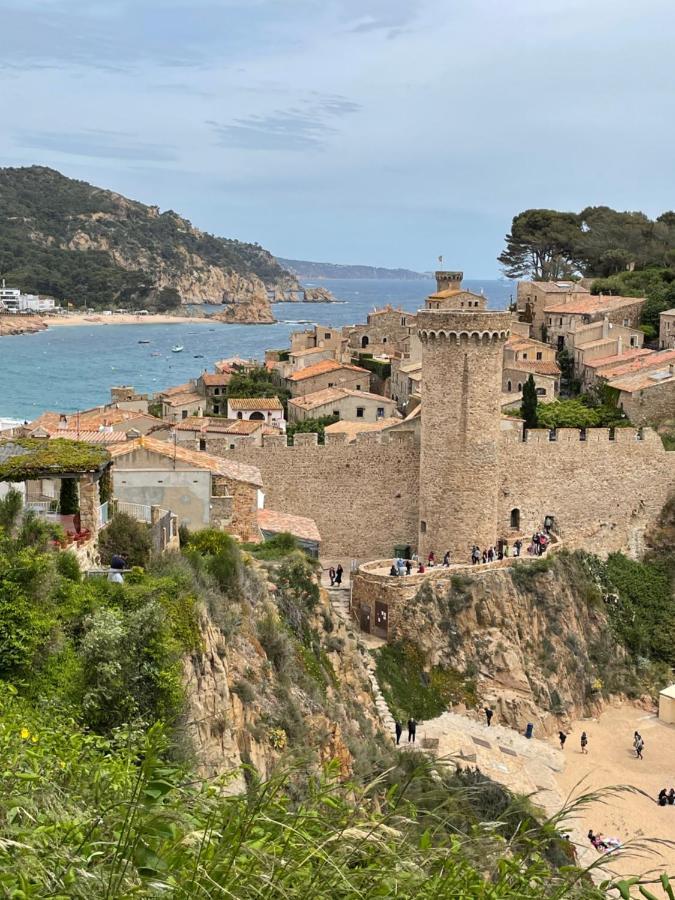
(520, 386)
(257, 416)
(539, 354)
(509, 386)
(541, 392)
(216, 408)
(524, 355)
(360, 410)
(358, 387)
(231, 446)
(331, 384)
(560, 322)
(423, 526)
(202, 444)
(582, 434)
(364, 341)
(403, 320)
(240, 415)
(384, 340)
(515, 518)
(326, 336)
(336, 413)
(633, 342)
(380, 412)
(184, 414)
(216, 391)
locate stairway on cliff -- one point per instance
(339, 601)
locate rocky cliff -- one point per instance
(254, 691)
(94, 247)
(20, 325)
(533, 640)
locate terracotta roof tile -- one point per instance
(651, 359)
(539, 366)
(204, 424)
(594, 303)
(351, 429)
(618, 360)
(211, 379)
(216, 464)
(253, 403)
(323, 367)
(182, 399)
(299, 526)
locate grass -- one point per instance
(413, 689)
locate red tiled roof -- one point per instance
(211, 379)
(540, 366)
(197, 458)
(323, 367)
(254, 403)
(652, 359)
(617, 358)
(592, 304)
(299, 526)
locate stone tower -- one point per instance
(462, 355)
(449, 281)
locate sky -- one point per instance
(382, 132)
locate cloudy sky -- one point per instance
(366, 131)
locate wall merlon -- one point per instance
(274, 440)
(337, 437)
(310, 439)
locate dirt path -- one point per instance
(610, 761)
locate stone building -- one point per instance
(257, 409)
(341, 402)
(467, 476)
(534, 296)
(450, 294)
(327, 374)
(563, 317)
(667, 330)
(213, 387)
(386, 330)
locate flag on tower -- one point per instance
(440, 259)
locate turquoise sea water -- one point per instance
(73, 368)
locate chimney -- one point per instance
(671, 370)
(605, 327)
(619, 349)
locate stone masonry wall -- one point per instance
(653, 404)
(363, 496)
(602, 493)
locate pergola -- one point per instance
(26, 460)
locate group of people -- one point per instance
(602, 843)
(412, 730)
(540, 541)
(402, 566)
(562, 737)
(335, 575)
(502, 551)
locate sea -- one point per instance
(72, 368)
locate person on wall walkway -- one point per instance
(446, 559)
(398, 727)
(338, 574)
(489, 713)
(331, 575)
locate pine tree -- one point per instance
(528, 410)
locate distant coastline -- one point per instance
(305, 269)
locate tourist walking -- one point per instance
(331, 575)
(516, 547)
(338, 574)
(562, 737)
(584, 742)
(639, 747)
(505, 550)
(412, 730)
(475, 555)
(398, 727)
(489, 713)
(446, 559)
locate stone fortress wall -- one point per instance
(362, 495)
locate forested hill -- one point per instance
(93, 247)
(305, 269)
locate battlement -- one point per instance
(365, 438)
(622, 437)
(463, 326)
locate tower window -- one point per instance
(515, 518)
(423, 526)
(202, 444)
(509, 386)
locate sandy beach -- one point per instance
(126, 319)
(611, 761)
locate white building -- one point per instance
(13, 301)
(262, 409)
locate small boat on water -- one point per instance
(156, 353)
(177, 349)
(144, 342)
(198, 356)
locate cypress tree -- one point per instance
(528, 410)
(69, 500)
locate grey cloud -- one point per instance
(303, 127)
(95, 143)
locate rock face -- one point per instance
(242, 711)
(20, 325)
(538, 646)
(319, 295)
(104, 248)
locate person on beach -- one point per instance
(562, 738)
(584, 742)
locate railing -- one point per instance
(40, 507)
(103, 515)
(137, 511)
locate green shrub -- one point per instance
(127, 538)
(244, 690)
(68, 566)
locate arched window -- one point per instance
(515, 518)
(257, 416)
(509, 386)
(364, 341)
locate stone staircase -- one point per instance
(339, 601)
